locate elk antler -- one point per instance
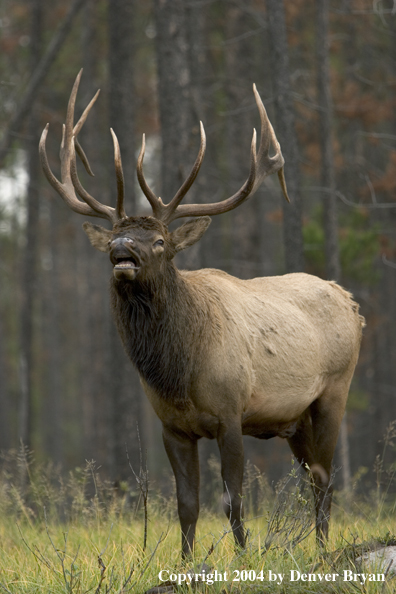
(164, 211)
(70, 183)
(261, 165)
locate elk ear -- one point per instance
(98, 236)
(189, 233)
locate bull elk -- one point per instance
(220, 357)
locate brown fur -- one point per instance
(220, 357)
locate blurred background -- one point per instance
(326, 71)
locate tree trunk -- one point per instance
(5, 412)
(244, 222)
(29, 284)
(124, 386)
(173, 94)
(286, 134)
(40, 69)
(332, 258)
(89, 267)
(51, 318)
(326, 144)
(197, 68)
(121, 90)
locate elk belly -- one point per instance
(276, 412)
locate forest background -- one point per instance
(326, 72)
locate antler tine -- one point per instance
(120, 177)
(84, 114)
(64, 190)
(101, 210)
(67, 131)
(182, 191)
(156, 203)
(165, 212)
(70, 184)
(267, 164)
(198, 210)
(261, 166)
(77, 129)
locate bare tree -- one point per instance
(292, 215)
(29, 276)
(245, 223)
(40, 70)
(121, 86)
(5, 416)
(123, 383)
(50, 298)
(328, 184)
(173, 91)
(92, 379)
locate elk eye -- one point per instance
(159, 242)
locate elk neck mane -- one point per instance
(162, 323)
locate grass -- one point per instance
(76, 535)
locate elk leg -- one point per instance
(230, 443)
(183, 456)
(314, 444)
(302, 446)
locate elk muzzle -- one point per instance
(124, 258)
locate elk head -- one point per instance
(139, 244)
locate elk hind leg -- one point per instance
(314, 444)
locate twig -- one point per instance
(60, 557)
(102, 574)
(289, 524)
(152, 554)
(37, 78)
(107, 542)
(161, 539)
(103, 566)
(69, 584)
(345, 200)
(127, 580)
(143, 482)
(38, 556)
(214, 545)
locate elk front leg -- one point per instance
(183, 456)
(230, 443)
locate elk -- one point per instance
(220, 357)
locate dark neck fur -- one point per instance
(154, 320)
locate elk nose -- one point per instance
(121, 241)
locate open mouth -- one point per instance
(123, 263)
(125, 268)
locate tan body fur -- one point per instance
(266, 358)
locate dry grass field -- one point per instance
(75, 535)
